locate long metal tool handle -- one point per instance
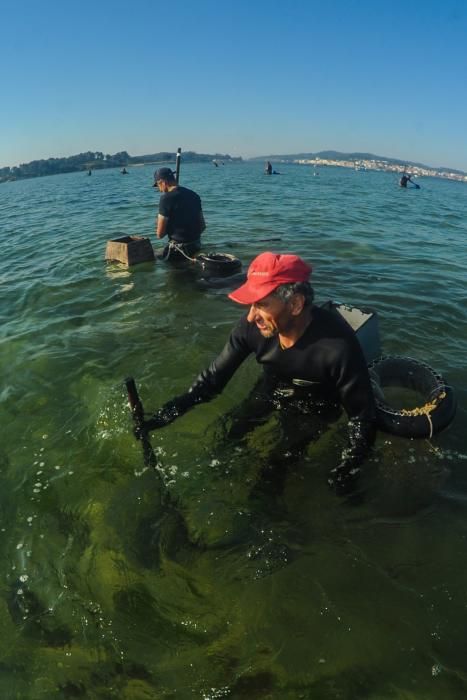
(134, 401)
(177, 164)
(150, 459)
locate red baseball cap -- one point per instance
(267, 272)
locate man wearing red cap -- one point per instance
(311, 359)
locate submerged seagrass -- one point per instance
(260, 583)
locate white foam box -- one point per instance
(364, 323)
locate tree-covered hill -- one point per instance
(96, 160)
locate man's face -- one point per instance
(162, 185)
(271, 315)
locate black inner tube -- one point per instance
(407, 373)
(438, 401)
(218, 264)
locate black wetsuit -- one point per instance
(182, 208)
(324, 369)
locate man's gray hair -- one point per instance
(286, 291)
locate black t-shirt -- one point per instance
(182, 208)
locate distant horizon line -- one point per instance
(301, 154)
(325, 154)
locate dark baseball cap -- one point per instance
(166, 174)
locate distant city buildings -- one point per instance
(384, 165)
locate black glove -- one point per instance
(343, 478)
(142, 428)
(160, 419)
(165, 415)
(200, 392)
(138, 431)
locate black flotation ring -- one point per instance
(219, 264)
(439, 405)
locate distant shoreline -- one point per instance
(381, 166)
(367, 161)
(96, 160)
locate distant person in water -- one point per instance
(124, 171)
(180, 216)
(269, 170)
(89, 172)
(405, 179)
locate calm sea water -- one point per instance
(230, 590)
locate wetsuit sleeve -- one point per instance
(350, 376)
(356, 395)
(213, 379)
(209, 383)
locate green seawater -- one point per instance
(204, 579)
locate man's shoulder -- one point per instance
(166, 196)
(329, 322)
(185, 191)
(178, 193)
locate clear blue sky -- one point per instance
(245, 78)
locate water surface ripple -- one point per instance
(235, 589)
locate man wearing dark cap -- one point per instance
(180, 216)
(312, 362)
